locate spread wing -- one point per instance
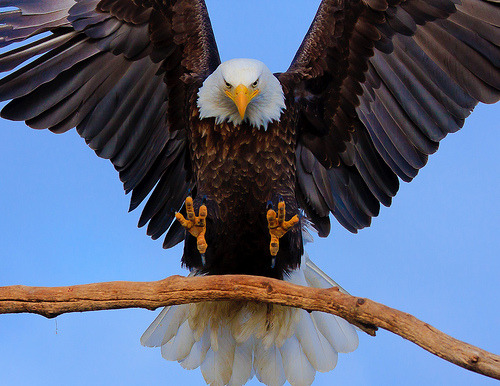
(123, 73)
(378, 83)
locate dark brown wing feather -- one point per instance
(121, 72)
(378, 83)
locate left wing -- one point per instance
(377, 85)
(124, 73)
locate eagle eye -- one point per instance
(228, 85)
(254, 84)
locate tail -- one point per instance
(233, 341)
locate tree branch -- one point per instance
(364, 313)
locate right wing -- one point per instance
(377, 85)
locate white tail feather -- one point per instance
(242, 364)
(208, 369)
(153, 336)
(317, 349)
(340, 333)
(196, 356)
(298, 369)
(268, 365)
(179, 346)
(165, 326)
(231, 340)
(217, 367)
(315, 277)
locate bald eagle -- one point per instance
(236, 161)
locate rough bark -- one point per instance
(362, 312)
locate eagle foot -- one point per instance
(278, 227)
(195, 225)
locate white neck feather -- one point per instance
(262, 109)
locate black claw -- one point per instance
(189, 192)
(204, 199)
(273, 262)
(280, 198)
(269, 205)
(203, 260)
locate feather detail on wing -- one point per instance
(121, 72)
(377, 85)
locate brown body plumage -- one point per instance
(240, 170)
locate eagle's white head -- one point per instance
(242, 89)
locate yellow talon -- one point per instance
(278, 226)
(195, 225)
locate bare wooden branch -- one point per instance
(364, 313)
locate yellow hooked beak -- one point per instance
(241, 98)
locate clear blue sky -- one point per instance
(63, 221)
